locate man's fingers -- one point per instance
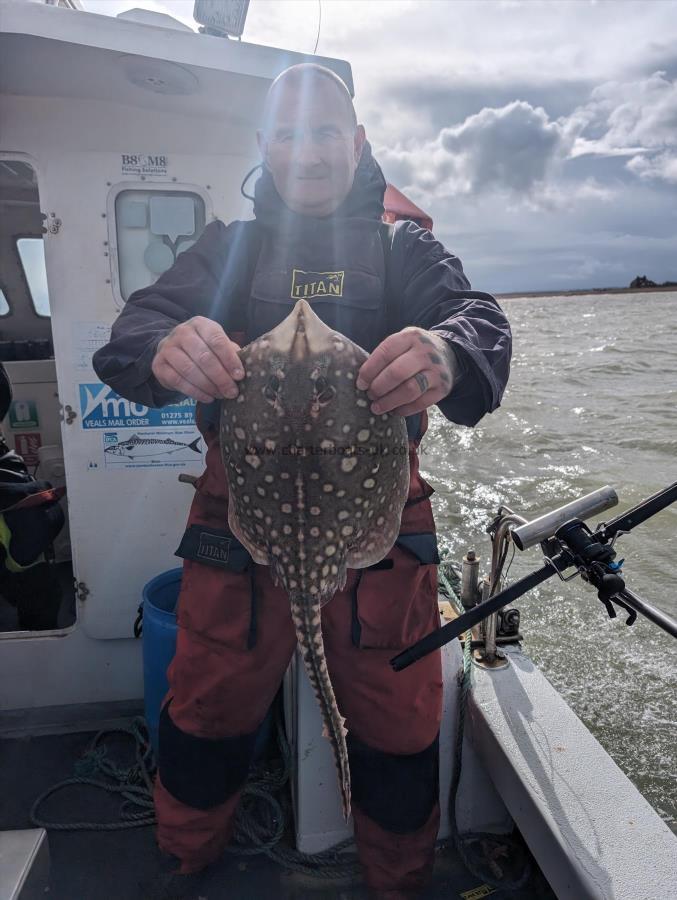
(170, 378)
(394, 374)
(408, 392)
(178, 371)
(423, 402)
(221, 345)
(205, 359)
(386, 352)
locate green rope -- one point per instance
(134, 783)
(450, 582)
(260, 820)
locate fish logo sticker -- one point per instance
(138, 447)
(311, 285)
(152, 449)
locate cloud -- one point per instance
(540, 135)
(519, 152)
(662, 166)
(511, 150)
(637, 119)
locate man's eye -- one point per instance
(328, 134)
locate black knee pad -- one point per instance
(202, 772)
(398, 792)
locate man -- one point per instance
(405, 299)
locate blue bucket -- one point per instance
(160, 596)
(159, 643)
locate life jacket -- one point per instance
(30, 515)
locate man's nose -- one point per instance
(306, 150)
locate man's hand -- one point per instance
(408, 372)
(198, 359)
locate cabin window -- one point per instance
(152, 229)
(32, 255)
(24, 300)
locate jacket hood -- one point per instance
(364, 199)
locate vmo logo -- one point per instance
(100, 407)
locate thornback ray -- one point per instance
(317, 481)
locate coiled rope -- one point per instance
(260, 820)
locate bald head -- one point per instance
(310, 140)
(301, 81)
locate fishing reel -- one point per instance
(566, 542)
(595, 562)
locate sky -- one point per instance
(541, 135)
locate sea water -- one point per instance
(592, 400)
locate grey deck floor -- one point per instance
(126, 865)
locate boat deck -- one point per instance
(127, 865)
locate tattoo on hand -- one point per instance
(442, 357)
(421, 381)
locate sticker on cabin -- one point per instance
(143, 164)
(88, 337)
(101, 407)
(23, 414)
(27, 446)
(151, 449)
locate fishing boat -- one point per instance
(120, 139)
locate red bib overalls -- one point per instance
(235, 641)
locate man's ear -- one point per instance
(360, 138)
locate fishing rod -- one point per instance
(566, 541)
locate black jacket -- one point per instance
(214, 279)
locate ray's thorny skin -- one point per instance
(311, 515)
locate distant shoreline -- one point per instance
(583, 293)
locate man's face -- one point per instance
(311, 146)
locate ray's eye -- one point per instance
(271, 388)
(325, 392)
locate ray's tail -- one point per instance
(307, 621)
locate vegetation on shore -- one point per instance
(639, 284)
